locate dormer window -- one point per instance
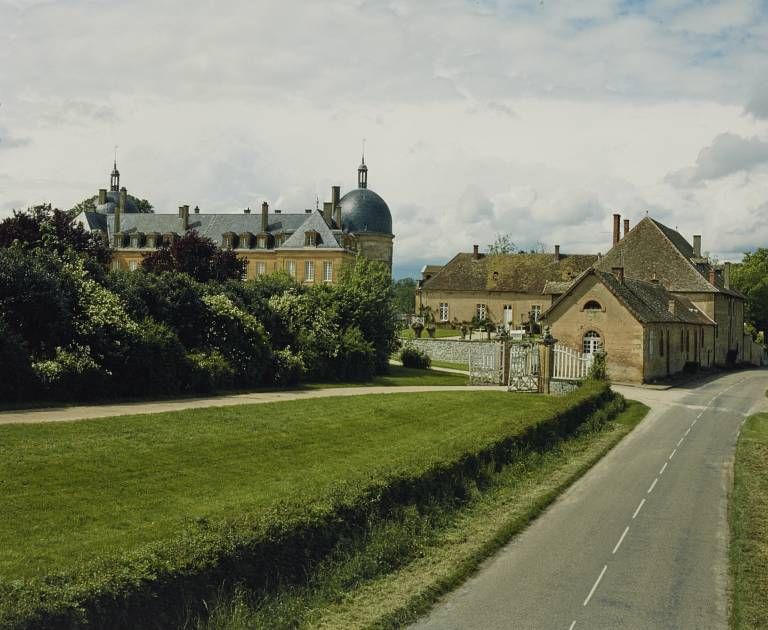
(229, 240)
(261, 242)
(592, 305)
(311, 238)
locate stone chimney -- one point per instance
(475, 252)
(328, 212)
(618, 272)
(557, 253)
(264, 217)
(671, 306)
(197, 209)
(697, 245)
(122, 197)
(616, 228)
(626, 227)
(727, 275)
(184, 214)
(712, 276)
(335, 196)
(247, 210)
(102, 196)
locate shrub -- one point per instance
(414, 358)
(598, 370)
(209, 371)
(72, 374)
(17, 378)
(357, 357)
(288, 368)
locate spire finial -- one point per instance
(362, 171)
(363, 151)
(114, 179)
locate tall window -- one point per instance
(290, 267)
(443, 311)
(245, 270)
(261, 268)
(133, 265)
(309, 271)
(480, 312)
(536, 311)
(327, 271)
(591, 342)
(115, 264)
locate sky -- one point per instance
(536, 119)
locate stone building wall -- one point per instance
(462, 305)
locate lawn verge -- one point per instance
(335, 467)
(386, 576)
(748, 517)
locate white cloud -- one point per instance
(758, 102)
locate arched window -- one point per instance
(593, 305)
(591, 342)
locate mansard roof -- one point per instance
(517, 273)
(648, 302)
(313, 223)
(653, 250)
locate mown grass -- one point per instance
(749, 527)
(73, 492)
(397, 567)
(450, 364)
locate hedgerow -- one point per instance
(153, 586)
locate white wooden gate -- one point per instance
(570, 364)
(523, 368)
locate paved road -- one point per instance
(85, 412)
(639, 542)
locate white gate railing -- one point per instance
(570, 364)
(523, 368)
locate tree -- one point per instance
(751, 278)
(89, 205)
(197, 256)
(405, 295)
(52, 230)
(502, 245)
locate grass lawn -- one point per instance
(449, 364)
(749, 527)
(401, 565)
(407, 333)
(73, 492)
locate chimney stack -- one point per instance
(335, 196)
(616, 228)
(697, 245)
(264, 217)
(247, 210)
(712, 276)
(121, 199)
(557, 253)
(328, 212)
(727, 275)
(197, 209)
(184, 214)
(626, 227)
(475, 252)
(671, 306)
(618, 272)
(102, 196)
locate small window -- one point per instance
(309, 271)
(290, 267)
(593, 305)
(591, 342)
(261, 268)
(327, 271)
(443, 311)
(536, 312)
(133, 265)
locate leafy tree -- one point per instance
(53, 230)
(751, 278)
(197, 256)
(405, 295)
(89, 205)
(502, 245)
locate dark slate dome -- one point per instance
(112, 199)
(362, 210)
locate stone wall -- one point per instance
(453, 350)
(561, 388)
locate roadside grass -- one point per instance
(397, 376)
(72, 492)
(451, 365)
(749, 527)
(398, 566)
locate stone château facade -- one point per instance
(312, 245)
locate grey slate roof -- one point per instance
(316, 222)
(362, 210)
(647, 301)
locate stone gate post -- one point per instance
(546, 361)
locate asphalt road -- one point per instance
(640, 541)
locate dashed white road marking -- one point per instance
(688, 430)
(594, 586)
(618, 544)
(639, 507)
(680, 441)
(653, 485)
(663, 468)
(672, 454)
(573, 624)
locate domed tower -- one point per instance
(366, 215)
(107, 201)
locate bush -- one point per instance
(414, 358)
(18, 380)
(72, 374)
(357, 357)
(288, 368)
(209, 371)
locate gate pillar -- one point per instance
(546, 361)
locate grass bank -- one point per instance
(749, 527)
(392, 572)
(121, 522)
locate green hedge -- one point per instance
(155, 586)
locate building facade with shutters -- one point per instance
(312, 245)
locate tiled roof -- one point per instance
(519, 273)
(652, 250)
(556, 288)
(313, 222)
(648, 302)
